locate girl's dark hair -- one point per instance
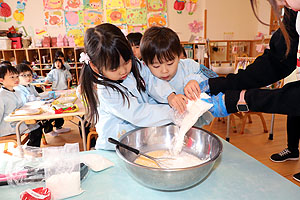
(161, 42)
(134, 38)
(23, 68)
(275, 9)
(5, 62)
(62, 65)
(5, 68)
(105, 44)
(26, 62)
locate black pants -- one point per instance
(35, 137)
(293, 132)
(48, 126)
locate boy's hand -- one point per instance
(178, 102)
(192, 90)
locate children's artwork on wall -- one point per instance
(92, 17)
(114, 4)
(156, 5)
(19, 12)
(54, 18)
(75, 31)
(5, 12)
(137, 16)
(137, 28)
(135, 3)
(157, 19)
(73, 18)
(196, 26)
(73, 4)
(93, 4)
(53, 4)
(116, 16)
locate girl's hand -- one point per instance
(178, 102)
(192, 90)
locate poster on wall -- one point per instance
(73, 4)
(123, 28)
(73, 18)
(135, 3)
(53, 4)
(157, 19)
(137, 28)
(116, 16)
(156, 5)
(54, 17)
(18, 15)
(76, 32)
(92, 18)
(137, 16)
(110, 4)
(93, 4)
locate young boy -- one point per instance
(29, 93)
(10, 101)
(161, 50)
(134, 40)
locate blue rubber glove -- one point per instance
(204, 87)
(218, 109)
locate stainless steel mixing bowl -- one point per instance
(198, 142)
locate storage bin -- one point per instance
(5, 43)
(16, 42)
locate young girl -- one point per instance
(114, 88)
(59, 77)
(161, 50)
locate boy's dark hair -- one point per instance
(62, 65)
(5, 68)
(105, 44)
(23, 68)
(5, 62)
(160, 42)
(183, 52)
(25, 62)
(59, 54)
(134, 38)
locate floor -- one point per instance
(253, 142)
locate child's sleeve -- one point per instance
(50, 76)
(136, 113)
(68, 74)
(67, 66)
(2, 107)
(155, 87)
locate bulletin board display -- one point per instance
(128, 15)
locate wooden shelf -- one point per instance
(36, 54)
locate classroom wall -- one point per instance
(222, 16)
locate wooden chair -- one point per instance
(12, 138)
(92, 134)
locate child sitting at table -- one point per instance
(10, 101)
(161, 50)
(60, 55)
(59, 77)
(29, 93)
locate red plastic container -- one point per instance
(40, 193)
(16, 42)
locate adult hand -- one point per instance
(178, 102)
(192, 90)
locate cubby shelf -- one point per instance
(44, 56)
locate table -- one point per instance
(235, 176)
(31, 119)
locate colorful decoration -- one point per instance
(19, 12)
(74, 31)
(156, 5)
(116, 16)
(195, 26)
(54, 18)
(5, 12)
(135, 3)
(93, 4)
(92, 18)
(114, 4)
(191, 6)
(73, 18)
(73, 4)
(53, 4)
(123, 28)
(179, 6)
(136, 16)
(137, 28)
(157, 19)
